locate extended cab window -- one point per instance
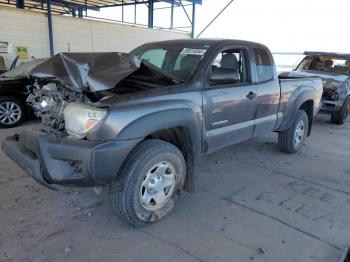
(264, 65)
(229, 67)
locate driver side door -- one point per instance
(229, 106)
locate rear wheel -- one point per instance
(340, 117)
(149, 183)
(12, 112)
(291, 139)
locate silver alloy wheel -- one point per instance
(299, 133)
(158, 186)
(10, 113)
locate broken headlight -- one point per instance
(45, 102)
(80, 119)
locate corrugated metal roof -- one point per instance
(65, 6)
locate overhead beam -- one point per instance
(71, 4)
(184, 9)
(176, 2)
(212, 21)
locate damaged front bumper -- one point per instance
(51, 160)
(330, 106)
(331, 101)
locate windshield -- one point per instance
(328, 64)
(23, 69)
(179, 61)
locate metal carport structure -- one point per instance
(80, 8)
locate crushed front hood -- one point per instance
(88, 72)
(330, 81)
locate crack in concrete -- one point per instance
(172, 244)
(287, 224)
(235, 241)
(277, 220)
(293, 177)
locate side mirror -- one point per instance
(224, 75)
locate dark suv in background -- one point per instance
(15, 86)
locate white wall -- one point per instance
(29, 29)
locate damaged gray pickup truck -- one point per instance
(334, 69)
(138, 122)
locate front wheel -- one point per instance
(149, 183)
(12, 112)
(291, 139)
(340, 117)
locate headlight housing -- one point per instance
(80, 119)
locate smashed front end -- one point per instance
(334, 95)
(69, 84)
(69, 90)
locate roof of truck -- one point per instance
(333, 54)
(209, 41)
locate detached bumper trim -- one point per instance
(25, 159)
(328, 106)
(51, 160)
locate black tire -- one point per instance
(340, 117)
(5, 122)
(130, 185)
(286, 138)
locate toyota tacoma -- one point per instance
(138, 122)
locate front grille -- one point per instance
(330, 95)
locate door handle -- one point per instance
(251, 95)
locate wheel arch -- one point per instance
(180, 127)
(305, 101)
(180, 137)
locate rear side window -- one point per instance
(264, 65)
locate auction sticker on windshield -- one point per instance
(193, 51)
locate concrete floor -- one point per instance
(252, 203)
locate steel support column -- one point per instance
(80, 13)
(150, 13)
(49, 20)
(135, 12)
(20, 4)
(193, 19)
(172, 15)
(123, 10)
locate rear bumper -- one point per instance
(51, 160)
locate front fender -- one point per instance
(156, 121)
(137, 120)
